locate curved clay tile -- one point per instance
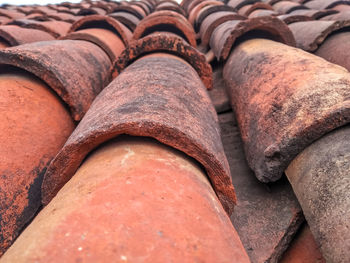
(168, 124)
(211, 22)
(192, 5)
(54, 28)
(169, 43)
(342, 7)
(144, 5)
(225, 35)
(320, 179)
(340, 16)
(97, 21)
(335, 49)
(166, 21)
(196, 10)
(246, 10)
(76, 70)
(286, 7)
(284, 99)
(139, 10)
(324, 4)
(4, 20)
(206, 11)
(127, 19)
(238, 4)
(315, 14)
(262, 12)
(35, 125)
(290, 18)
(91, 11)
(64, 17)
(11, 14)
(107, 33)
(16, 35)
(310, 35)
(166, 5)
(127, 9)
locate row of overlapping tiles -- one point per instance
(276, 124)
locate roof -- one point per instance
(247, 104)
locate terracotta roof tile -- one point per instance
(325, 4)
(170, 6)
(237, 4)
(37, 124)
(76, 70)
(291, 18)
(290, 107)
(129, 20)
(16, 35)
(266, 216)
(196, 10)
(54, 28)
(246, 10)
(208, 10)
(225, 35)
(168, 21)
(319, 177)
(128, 9)
(103, 31)
(315, 14)
(291, 119)
(262, 12)
(334, 49)
(123, 212)
(310, 35)
(212, 21)
(303, 249)
(286, 7)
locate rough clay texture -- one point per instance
(248, 9)
(160, 96)
(286, 7)
(76, 70)
(262, 12)
(284, 99)
(335, 49)
(225, 35)
(168, 43)
(315, 14)
(266, 216)
(218, 94)
(169, 6)
(97, 21)
(128, 9)
(110, 42)
(291, 18)
(341, 16)
(54, 28)
(154, 204)
(16, 35)
(35, 124)
(310, 35)
(324, 4)
(195, 11)
(320, 179)
(127, 19)
(303, 248)
(212, 21)
(210, 10)
(166, 21)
